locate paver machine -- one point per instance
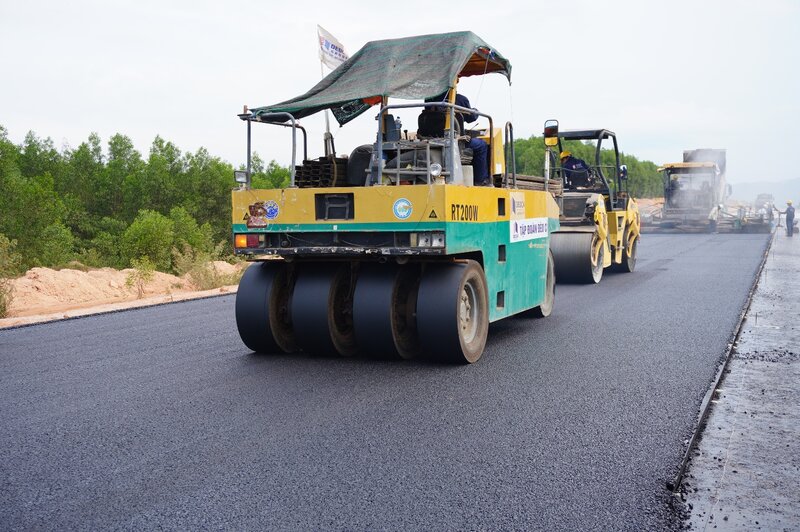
(692, 189)
(599, 220)
(392, 252)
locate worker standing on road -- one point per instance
(576, 171)
(789, 218)
(713, 216)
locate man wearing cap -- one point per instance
(576, 171)
(789, 218)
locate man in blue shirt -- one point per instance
(576, 171)
(480, 150)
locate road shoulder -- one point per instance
(116, 307)
(745, 470)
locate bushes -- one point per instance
(151, 234)
(187, 232)
(197, 266)
(9, 268)
(143, 271)
(54, 246)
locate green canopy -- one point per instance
(409, 68)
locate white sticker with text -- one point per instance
(528, 229)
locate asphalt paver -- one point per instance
(162, 418)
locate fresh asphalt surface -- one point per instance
(161, 418)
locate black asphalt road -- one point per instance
(161, 417)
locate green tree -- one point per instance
(151, 234)
(271, 176)
(38, 157)
(10, 262)
(55, 246)
(124, 163)
(187, 232)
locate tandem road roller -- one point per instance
(391, 251)
(600, 222)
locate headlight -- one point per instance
(436, 169)
(433, 239)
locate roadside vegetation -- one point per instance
(9, 267)
(108, 205)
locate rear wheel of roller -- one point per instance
(384, 307)
(322, 309)
(404, 311)
(263, 290)
(546, 308)
(452, 311)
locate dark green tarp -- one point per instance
(410, 68)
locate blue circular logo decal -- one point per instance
(271, 209)
(402, 208)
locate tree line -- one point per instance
(644, 181)
(107, 205)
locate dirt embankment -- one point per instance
(43, 294)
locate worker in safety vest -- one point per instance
(713, 216)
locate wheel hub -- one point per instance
(466, 313)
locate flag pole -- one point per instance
(328, 138)
(327, 121)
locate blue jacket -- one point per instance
(461, 101)
(575, 168)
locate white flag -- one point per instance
(331, 51)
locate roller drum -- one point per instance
(572, 253)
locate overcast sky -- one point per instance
(665, 76)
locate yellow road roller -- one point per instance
(599, 220)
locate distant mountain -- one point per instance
(782, 190)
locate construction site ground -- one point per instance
(744, 473)
(44, 294)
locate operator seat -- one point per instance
(357, 165)
(430, 124)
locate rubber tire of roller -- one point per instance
(384, 308)
(314, 309)
(546, 308)
(439, 308)
(372, 310)
(252, 307)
